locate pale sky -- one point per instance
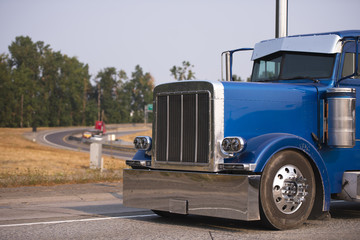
(158, 34)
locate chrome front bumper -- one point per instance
(208, 194)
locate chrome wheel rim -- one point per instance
(289, 189)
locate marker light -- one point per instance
(142, 143)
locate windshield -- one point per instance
(291, 65)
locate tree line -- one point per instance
(43, 87)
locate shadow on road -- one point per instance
(209, 223)
(339, 210)
(345, 210)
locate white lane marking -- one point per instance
(54, 144)
(76, 220)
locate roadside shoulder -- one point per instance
(69, 192)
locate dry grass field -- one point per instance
(131, 137)
(24, 162)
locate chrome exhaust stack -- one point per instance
(281, 26)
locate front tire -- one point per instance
(287, 190)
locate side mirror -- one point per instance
(228, 63)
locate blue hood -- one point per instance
(254, 109)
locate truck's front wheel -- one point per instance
(287, 190)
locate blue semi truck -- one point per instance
(277, 148)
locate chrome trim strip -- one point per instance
(183, 92)
(218, 209)
(238, 166)
(250, 166)
(154, 127)
(218, 118)
(182, 128)
(196, 124)
(167, 126)
(137, 163)
(185, 164)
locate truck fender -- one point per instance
(263, 147)
(141, 155)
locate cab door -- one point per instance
(349, 76)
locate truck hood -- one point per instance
(253, 109)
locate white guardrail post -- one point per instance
(96, 159)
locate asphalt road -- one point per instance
(95, 211)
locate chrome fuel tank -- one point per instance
(341, 117)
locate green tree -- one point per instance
(7, 94)
(184, 72)
(50, 89)
(141, 88)
(42, 87)
(50, 80)
(236, 78)
(25, 65)
(124, 94)
(73, 81)
(66, 83)
(108, 79)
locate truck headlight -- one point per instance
(142, 143)
(231, 145)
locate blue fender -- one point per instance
(260, 149)
(141, 155)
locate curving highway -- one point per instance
(59, 138)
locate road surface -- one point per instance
(95, 211)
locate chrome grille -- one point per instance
(182, 127)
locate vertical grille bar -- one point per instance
(196, 125)
(182, 128)
(167, 128)
(161, 128)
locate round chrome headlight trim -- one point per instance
(143, 143)
(231, 145)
